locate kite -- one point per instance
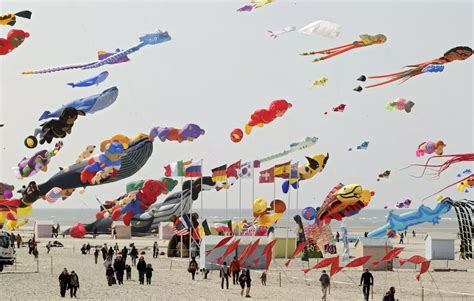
(339, 108)
(316, 164)
(309, 213)
(439, 168)
(221, 243)
(88, 105)
(404, 204)
(459, 53)
(264, 217)
(323, 28)
(430, 147)
(10, 19)
(344, 201)
(28, 167)
(231, 248)
(261, 117)
(95, 80)
(275, 34)
(296, 146)
(425, 265)
(400, 104)
(365, 40)
(54, 128)
(464, 213)
(117, 57)
(255, 4)
(15, 38)
(189, 132)
(466, 184)
(324, 263)
(362, 146)
(319, 82)
(236, 135)
(384, 175)
(295, 253)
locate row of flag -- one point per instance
(285, 171)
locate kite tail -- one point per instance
(45, 115)
(384, 82)
(24, 14)
(326, 51)
(334, 53)
(56, 69)
(388, 75)
(443, 189)
(72, 85)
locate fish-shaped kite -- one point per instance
(400, 104)
(362, 146)
(95, 80)
(10, 19)
(255, 4)
(87, 105)
(122, 56)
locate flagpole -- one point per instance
(181, 213)
(288, 219)
(240, 202)
(202, 205)
(191, 219)
(226, 203)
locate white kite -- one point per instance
(323, 28)
(275, 34)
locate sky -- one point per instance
(221, 65)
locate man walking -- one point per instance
(368, 281)
(325, 283)
(64, 279)
(235, 269)
(224, 274)
(156, 250)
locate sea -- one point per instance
(365, 220)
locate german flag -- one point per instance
(219, 174)
(282, 170)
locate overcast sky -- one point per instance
(221, 65)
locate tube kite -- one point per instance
(28, 167)
(254, 5)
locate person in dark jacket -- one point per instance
(390, 295)
(109, 273)
(149, 273)
(141, 267)
(243, 281)
(193, 267)
(110, 253)
(104, 252)
(73, 284)
(368, 281)
(224, 273)
(248, 282)
(119, 267)
(124, 254)
(156, 250)
(64, 279)
(96, 255)
(128, 269)
(134, 255)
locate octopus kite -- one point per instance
(365, 40)
(459, 53)
(439, 168)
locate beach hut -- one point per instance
(122, 231)
(375, 247)
(439, 246)
(44, 229)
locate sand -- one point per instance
(171, 281)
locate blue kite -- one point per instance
(95, 80)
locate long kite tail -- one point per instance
(443, 189)
(330, 55)
(326, 51)
(404, 76)
(57, 69)
(455, 158)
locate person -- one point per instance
(35, 252)
(156, 250)
(134, 255)
(248, 282)
(124, 254)
(119, 267)
(390, 295)
(107, 262)
(96, 255)
(48, 246)
(264, 278)
(116, 248)
(193, 267)
(114, 233)
(64, 279)
(193, 249)
(73, 284)
(30, 246)
(368, 280)
(224, 273)
(104, 252)
(141, 267)
(53, 231)
(88, 248)
(128, 269)
(413, 233)
(18, 240)
(110, 253)
(235, 270)
(325, 283)
(149, 273)
(204, 272)
(462, 255)
(243, 281)
(109, 273)
(405, 233)
(401, 238)
(84, 249)
(337, 236)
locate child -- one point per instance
(128, 268)
(264, 278)
(148, 273)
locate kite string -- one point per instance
(437, 287)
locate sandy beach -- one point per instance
(171, 281)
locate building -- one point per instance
(44, 229)
(439, 246)
(376, 247)
(122, 231)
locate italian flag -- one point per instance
(176, 169)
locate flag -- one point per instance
(282, 170)
(53, 195)
(256, 164)
(205, 226)
(186, 222)
(232, 170)
(246, 170)
(267, 176)
(175, 169)
(193, 170)
(219, 174)
(181, 231)
(294, 172)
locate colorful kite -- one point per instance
(189, 132)
(430, 147)
(38, 162)
(316, 164)
(255, 4)
(95, 80)
(400, 104)
(459, 53)
(10, 19)
(88, 105)
(384, 175)
(339, 108)
(323, 28)
(403, 205)
(264, 217)
(365, 40)
(362, 146)
(118, 57)
(296, 146)
(319, 82)
(277, 33)
(261, 117)
(15, 38)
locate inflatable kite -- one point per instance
(316, 164)
(400, 104)
(384, 175)
(365, 40)
(464, 213)
(459, 53)
(362, 146)
(10, 19)
(339, 108)
(54, 128)
(296, 146)
(113, 58)
(15, 38)
(264, 217)
(38, 162)
(430, 147)
(319, 82)
(88, 105)
(255, 4)
(466, 184)
(236, 135)
(277, 33)
(344, 201)
(261, 117)
(404, 204)
(323, 28)
(95, 80)
(189, 132)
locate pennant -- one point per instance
(392, 254)
(246, 170)
(402, 261)
(205, 226)
(416, 259)
(298, 249)
(269, 259)
(244, 253)
(219, 173)
(231, 248)
(282, 170)
(219, 244)
(265, 251)
(358, 262)
(335, 268)
(233, 170)
(425, 265)
(323, 263)
(375, 263)
(193, 170)
(267, 176)
(249, 253)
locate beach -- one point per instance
(171, 281)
